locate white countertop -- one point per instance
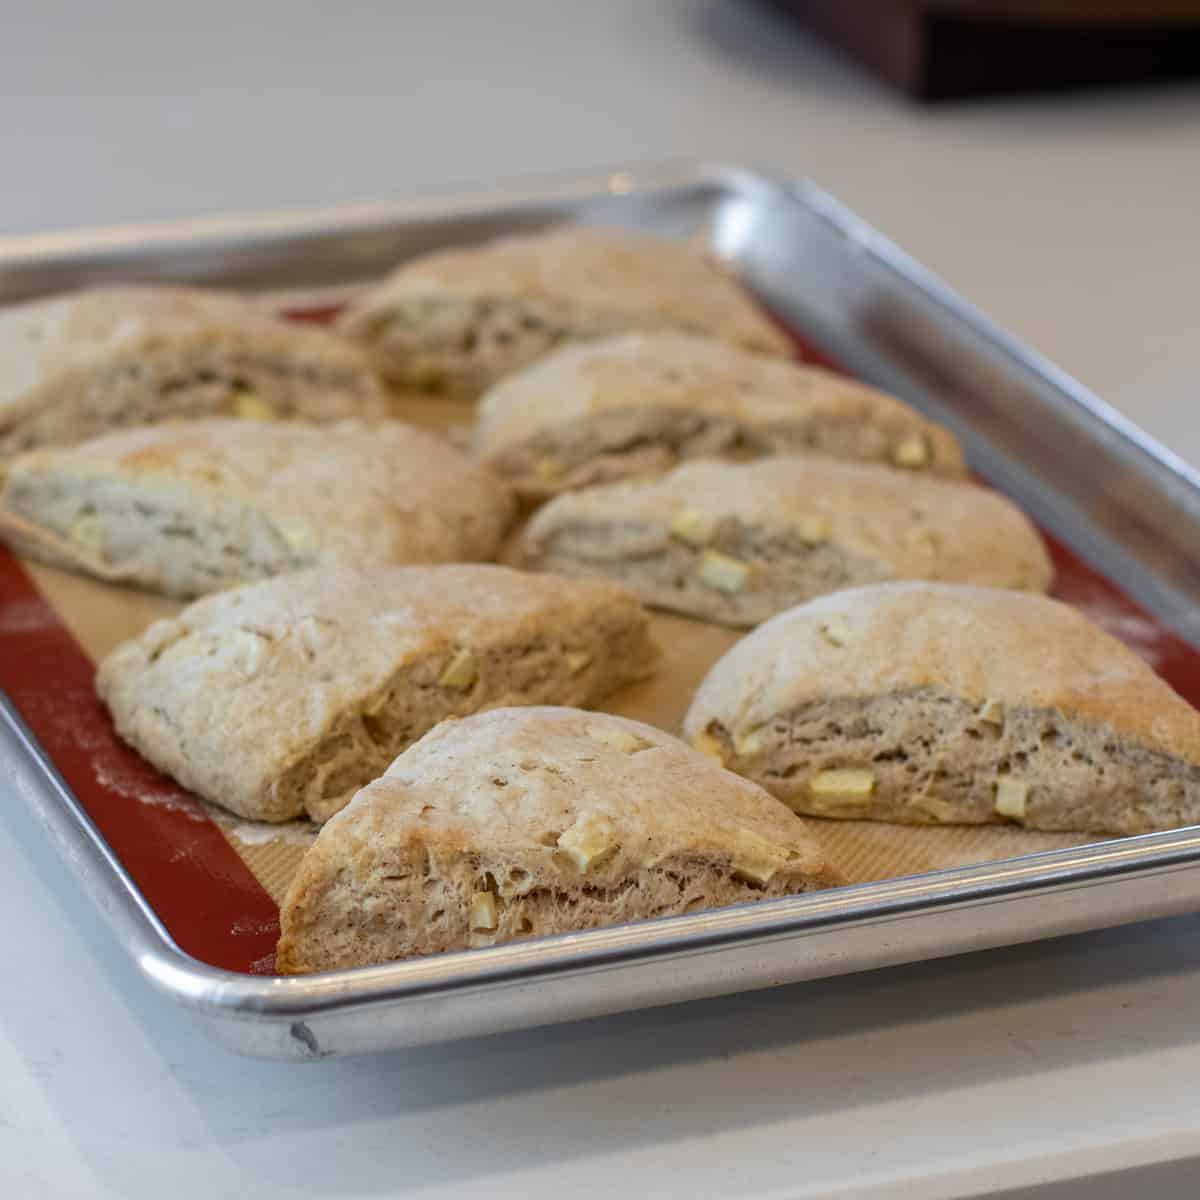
(1072, 221)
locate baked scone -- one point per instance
(84, 363)
(522, 822)
(639, 404)
(738, 542)
(929, 703)
(195, 506)
(282, 698)
(457, 320)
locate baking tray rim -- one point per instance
(233, 994)
(230, 995)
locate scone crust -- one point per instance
(974, 643)
(343, 494)
(56, 354)
(677, 371)
(506, 792)
(598, 279)
(900, 525)
(240, 687)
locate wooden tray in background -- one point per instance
(954, 49)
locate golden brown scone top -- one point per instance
(924, 528)
(257, 674)
(976, 643)
(653, 280)
(76, 330)
(564, 767)
(351, 493)
(679, 370)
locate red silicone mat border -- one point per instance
(179, 860)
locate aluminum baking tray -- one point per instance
(1097, 483)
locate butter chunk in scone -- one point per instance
(458, 319)
(635, 406)
(523, 822)
(193, 507)
(81, 364)
(941, 704)
(738, 542)
(282, 698)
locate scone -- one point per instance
(529, 821)
(196, 506)
(938, 704)
(88, 362)
(737, 543)
(638, 405)
(282, 698)
(457, 320)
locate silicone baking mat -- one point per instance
(216, 882)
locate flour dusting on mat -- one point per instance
(117, 769)
(114, 776)
(253, 926)
(25, 616)
(264, 833)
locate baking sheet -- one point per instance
(191, 902)
(99, 616)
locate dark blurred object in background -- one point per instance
(951, 49)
